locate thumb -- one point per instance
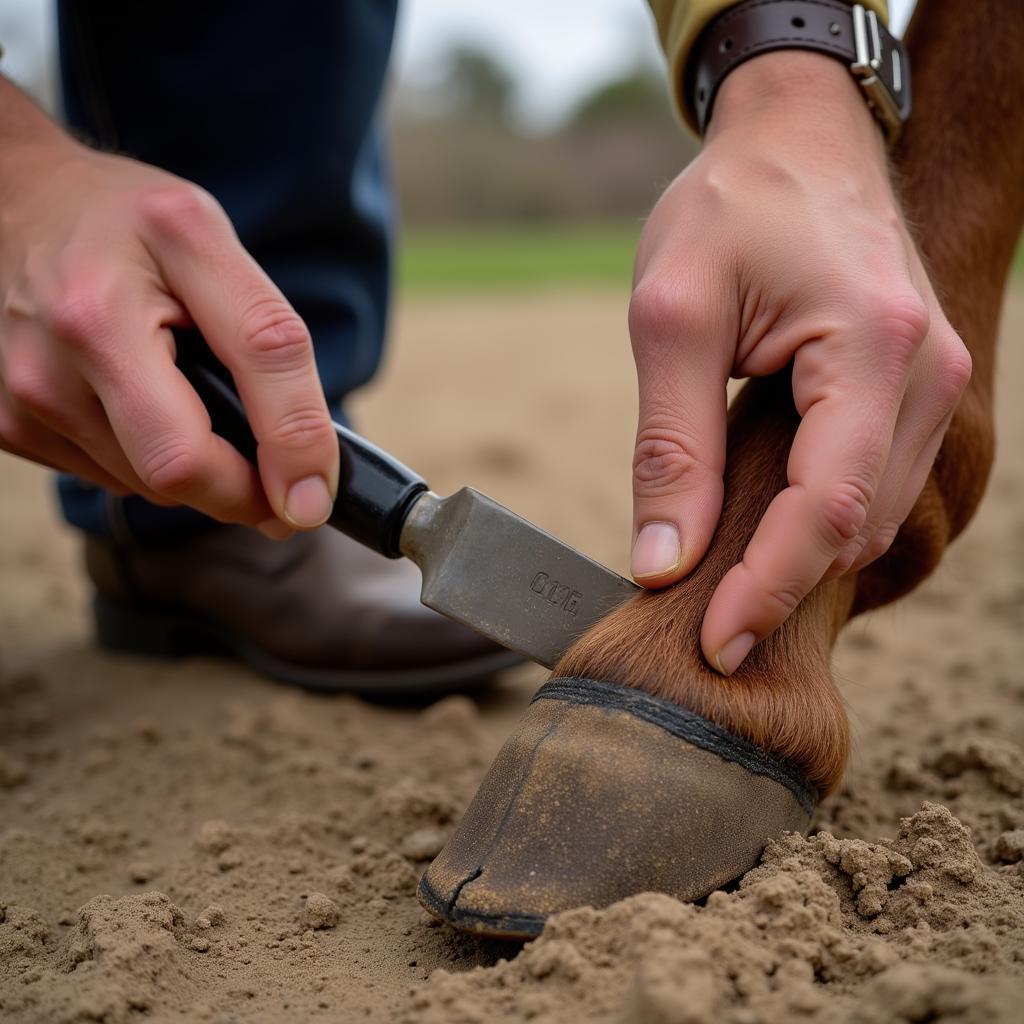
(680, 446)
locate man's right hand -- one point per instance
(100, 256)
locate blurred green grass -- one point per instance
(509, 258)
(504, 258)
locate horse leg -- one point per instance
(637, 767)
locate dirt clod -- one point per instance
(321, 911)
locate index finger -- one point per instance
(254, 331)
(835, 465)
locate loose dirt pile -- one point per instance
(912, 929)
(187, 842)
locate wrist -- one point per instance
(29, 140)
(795, 95)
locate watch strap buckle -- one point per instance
(880, 71)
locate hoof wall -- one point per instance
(603, 792)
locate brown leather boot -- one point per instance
(317, 610)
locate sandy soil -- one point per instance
(188, 842)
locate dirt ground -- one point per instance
(188, 842)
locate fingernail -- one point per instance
(308, 503)
(274, 529)
(656, 550)
(730, 656)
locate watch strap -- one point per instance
(848, 32)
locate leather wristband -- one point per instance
(848, 32)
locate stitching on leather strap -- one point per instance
(686, 725)
(830, 5)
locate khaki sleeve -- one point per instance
(679, 24)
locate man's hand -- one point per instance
(783, 241)
(100, 256)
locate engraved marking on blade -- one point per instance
(561, 595)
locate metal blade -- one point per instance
(493, 571)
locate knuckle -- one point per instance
(846, 557)
(781, 598)
(177, 209)
(844, 561)
(844, 511)
(274, 337)
(659, 312)
(84, 311)
(878, 545)
(302, 429)
(172, 467)
(954, 371)
(900, 322)
(664, 462)
(27, 385)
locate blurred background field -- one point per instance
(501, 258)
(529, 141)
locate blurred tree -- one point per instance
(637, 97)
(462, 156)
(476, 86)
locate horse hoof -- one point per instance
(603, 792)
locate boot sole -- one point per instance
(169, 635)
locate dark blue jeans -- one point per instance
(273, 109)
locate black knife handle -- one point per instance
(375, 491)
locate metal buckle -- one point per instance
(880, 71)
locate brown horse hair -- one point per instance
(959, 168)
